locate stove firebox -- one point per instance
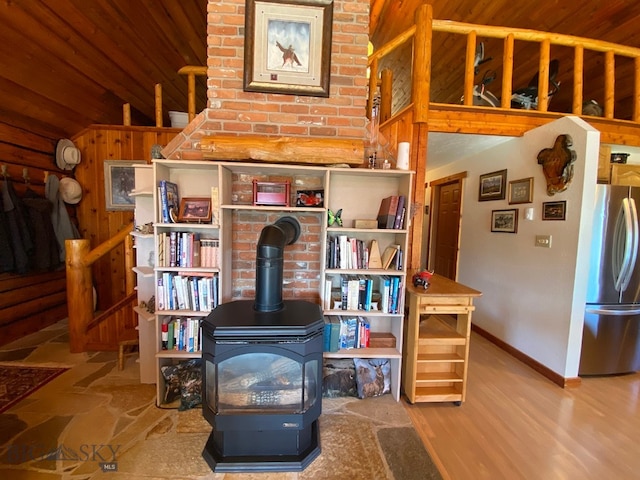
(262, 371)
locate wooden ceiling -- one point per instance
(68, 64)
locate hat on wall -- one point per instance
(70, 190)
(67, 154)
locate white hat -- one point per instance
(67, 154)
(70, 190)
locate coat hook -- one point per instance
(46, 175)
(4, 171)
(25, 175)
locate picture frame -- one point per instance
(554, 210)
(521, 191)
(119, 183)
(195, 210)
(310, 198)
(492, 186)
(287, 46)
(505, 221)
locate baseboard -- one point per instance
(527, 360)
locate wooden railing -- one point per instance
(79, 260)
(421, 34)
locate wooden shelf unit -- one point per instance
(437, 341)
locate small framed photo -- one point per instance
(493, 186)
(195, 210)
(504, 221)
(310, 198)
(554, 210)
(119, 182)
(521, 191)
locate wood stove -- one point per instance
(262, 371)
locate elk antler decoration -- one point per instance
(557, 164)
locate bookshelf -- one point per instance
(143, 242)
(358, 192)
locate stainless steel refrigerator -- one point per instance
(611, 335)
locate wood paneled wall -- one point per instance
(97, 144)
(30, 301)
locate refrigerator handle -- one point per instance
(632, 246)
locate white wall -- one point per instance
(533, 298)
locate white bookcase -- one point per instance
(144, 245)
(358, 192)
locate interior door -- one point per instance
(446, 199)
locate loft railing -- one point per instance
(79, 259)
(421, 35)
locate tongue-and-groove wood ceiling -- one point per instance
(67, 64)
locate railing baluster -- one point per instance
(507, 71)
(469, 74)
(578, 79)
(543, 76)
(609, 83)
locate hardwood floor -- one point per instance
(516, 424)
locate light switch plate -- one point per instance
(543, 241)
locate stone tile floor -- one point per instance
(94, 416)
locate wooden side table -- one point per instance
(436, 349)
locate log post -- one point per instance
(158, 97)
(543, 78)
(636, 90)
(578, 73)
(609, 83)
(507, 71)
(191, 96)
(129, 263)
(126, 114)
(469, 74)
(386, 94)
(79, 293)
(421, 81)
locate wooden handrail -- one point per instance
(98, 319)
(79, 260)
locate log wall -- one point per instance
(34, 300)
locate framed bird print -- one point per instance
(287, 46)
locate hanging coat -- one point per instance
(46, 254)
(19, 234)
(62, 226)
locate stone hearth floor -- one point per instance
(94, 413)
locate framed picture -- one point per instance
(119, 182)
(521, 191)
(554, 210)
(493, 186)
(287, 47)
(310, 198)
(195, 210)
(504, 221)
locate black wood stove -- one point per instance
(262, 371)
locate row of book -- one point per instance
(179, 291)
(358, 292)
(347, 253)
(182, 334)
(392, 212)
(187, 250)
(345, 333)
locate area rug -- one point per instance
(18, 382)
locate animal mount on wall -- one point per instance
(557, 164)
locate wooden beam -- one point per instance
(319, 151)
(421, 81)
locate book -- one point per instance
(169, 201)
(387, 211)
(388, 255)
(399, 220)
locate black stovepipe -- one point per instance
(270, 262)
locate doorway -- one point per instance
(444, 237)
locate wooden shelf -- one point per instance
(365, 352)
(178, 354)
(438, 329)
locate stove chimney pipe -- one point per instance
(270, 262)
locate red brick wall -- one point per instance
(301, 260)
(231, 110)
